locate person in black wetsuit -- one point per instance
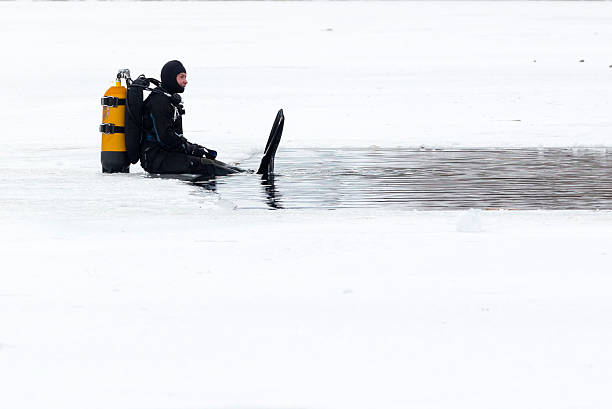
(164, 149)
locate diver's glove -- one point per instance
(210, 153)
(204, 152)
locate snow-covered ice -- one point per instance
(120, 291)
(470, 222)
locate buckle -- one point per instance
(112, 101)
(111, 128)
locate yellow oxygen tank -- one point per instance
(114, 156)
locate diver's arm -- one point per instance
(198, 150)
(193, 148)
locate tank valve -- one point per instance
(123, 73)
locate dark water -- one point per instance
(426, 179)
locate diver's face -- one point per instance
(182, 79)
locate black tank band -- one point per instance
(112, 101)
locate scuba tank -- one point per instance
(114, 156)
(121, 126)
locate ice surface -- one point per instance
(470, 221)
(123, 291)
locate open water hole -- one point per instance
(425, 179)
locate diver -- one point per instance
(164, 149)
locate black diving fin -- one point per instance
(266, 166)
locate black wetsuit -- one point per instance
(164, 149)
